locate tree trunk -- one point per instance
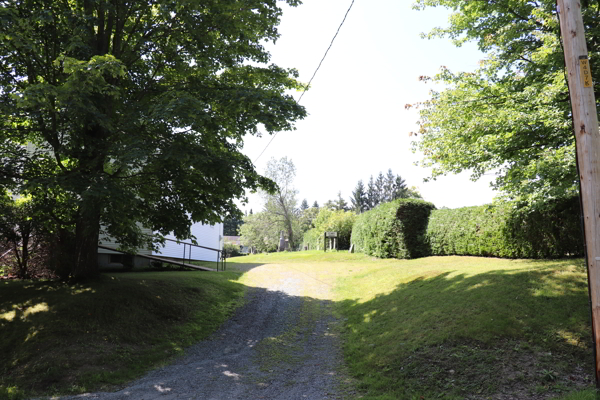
(292, 244)
(87, 231)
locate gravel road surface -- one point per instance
(280, 344)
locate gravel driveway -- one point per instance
(279, 345)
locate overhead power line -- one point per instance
(314, 74)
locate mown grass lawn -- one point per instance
(438, 327)
(62, 338)
(456, 327)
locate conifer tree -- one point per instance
(304, 205)
(359, 198)
(372, 194)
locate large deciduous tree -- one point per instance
(281, 204)
(118, 114)
(512, 115)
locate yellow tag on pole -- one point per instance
(586, 73)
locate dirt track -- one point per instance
(280, 345)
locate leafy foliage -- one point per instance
(23, 242)
(512, 115)
(281, 204)
(512, 230)
(231, 250)
(260, 232)
(116, 114)
(307, 218)
(393, 230)
(327, 220)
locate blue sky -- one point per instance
(357, 124)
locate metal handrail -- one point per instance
(220, 253)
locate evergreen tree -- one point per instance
(304, 205)
(372, 194)
(231, 225)
(389, 186)
(359, 198)
(340, 203)
(400, 190)
(316, 205)
(380, 188)
(329, 205)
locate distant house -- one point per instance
(206, 235)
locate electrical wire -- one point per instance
(314, 74)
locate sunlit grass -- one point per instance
(438, 327)
(494, 323)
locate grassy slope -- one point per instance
(427, 328)
(59, 338)
(447, 327)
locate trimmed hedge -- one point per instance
(393, 230)
(509, 230)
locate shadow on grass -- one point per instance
(66, 337)
(505, 334)
(59, 339)
(523, 333)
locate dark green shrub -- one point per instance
(548, 230)
(512, 230)
(231, 250)
(393, 230)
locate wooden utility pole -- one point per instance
(585, 122)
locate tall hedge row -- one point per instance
(470, 231)
(393, 230)
(510, 230)
(413, 228)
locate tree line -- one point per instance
(381, 190)
(281, 212)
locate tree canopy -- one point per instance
(116, 114)
(512, 115)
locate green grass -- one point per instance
(589, 394)
(438, 327)
(61, 338)
(448, 327)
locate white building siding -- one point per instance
(108, 241)
(206, 235)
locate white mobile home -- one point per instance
(210, 236)
(206, 236)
